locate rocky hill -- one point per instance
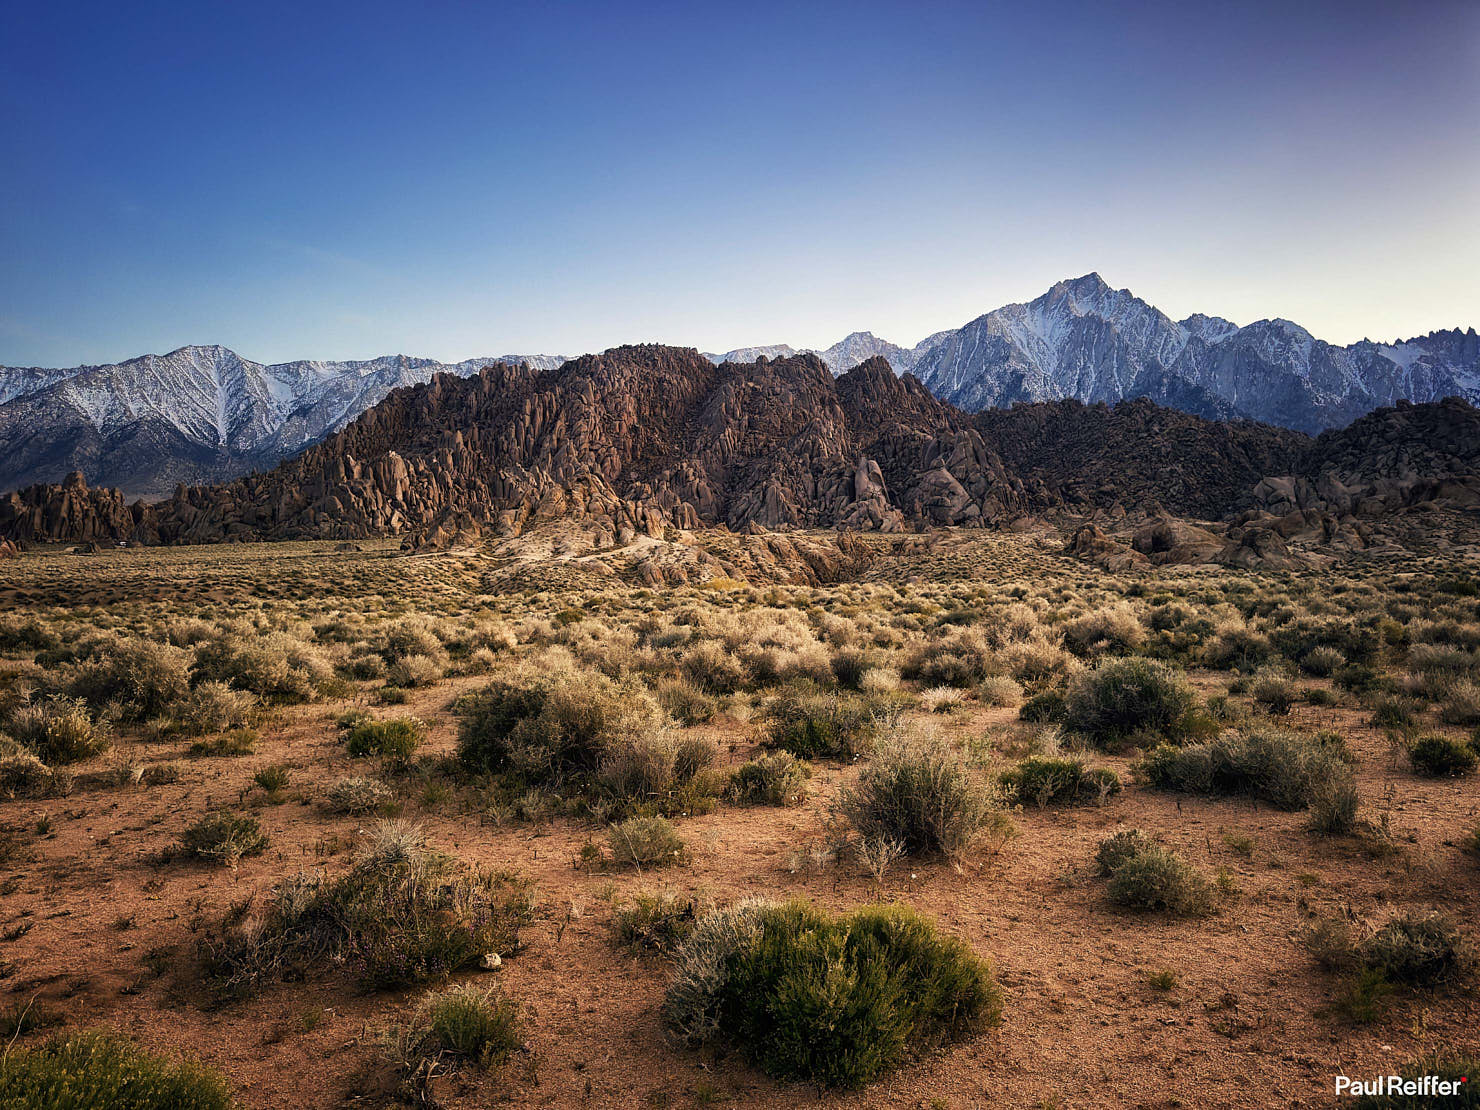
(638, 440)
(195, 415)
(1138, 455)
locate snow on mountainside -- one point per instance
(842, 356)
(194, 415)
(1085, 340)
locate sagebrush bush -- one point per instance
(357, 795)
(104, 1071)
(1418, 949)
(963, 658)
(554, 725)
(142, 678)
(656, 922)
(1044, 707)
(1156, 879)
(1115, 628)
(1116, 849)
(394, 739)
(1045, 781)
(1322, 662)
(224, 838)
(834, 1000)
(645, 842)
(23, 775)
(1412, 948)
(918, 793)
(1333, 806)
(823, 726)
(1442, 757)
(216, 707)
(403, 914)
(1274, 691)
(1285, 769)
(471, 1022)
(659, 774)
(277, 668)
(773, 779)
(60, 731)
(999, 691)
(1122, 699)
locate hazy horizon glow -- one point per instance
(340, 181)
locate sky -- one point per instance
(456, 180)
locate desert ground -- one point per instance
(144, 690)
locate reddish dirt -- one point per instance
(1082, 1027)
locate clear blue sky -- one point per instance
(344, 180)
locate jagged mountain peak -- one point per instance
(199, 413)
(1083, 339)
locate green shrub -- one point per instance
(829, 726)
(1274, 691)
(774, 779)
(104, 1071)
(1124, 698)
(554, 726)
(403, 914)
(1044, 707)
(1285, 769)
(1418, 950)
(645, 842)
(1115, 850)
(1441, 757)
(656, 922)
(833, 1000)
(474, 1023)
(1158, 880)
(1395, 711)
(1042, 782)
(919, 794)
(224, 838)
(395, 740)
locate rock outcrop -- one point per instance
(642, 443)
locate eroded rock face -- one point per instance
(639, 442)
(68, 512)
(1135, 455)
(635, 441)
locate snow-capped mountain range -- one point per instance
(194, 415)
(204, 414)
(1084, 340)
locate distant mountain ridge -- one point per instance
(199, 414)
(202, 415)
(1083, 340)
(1086, 341)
